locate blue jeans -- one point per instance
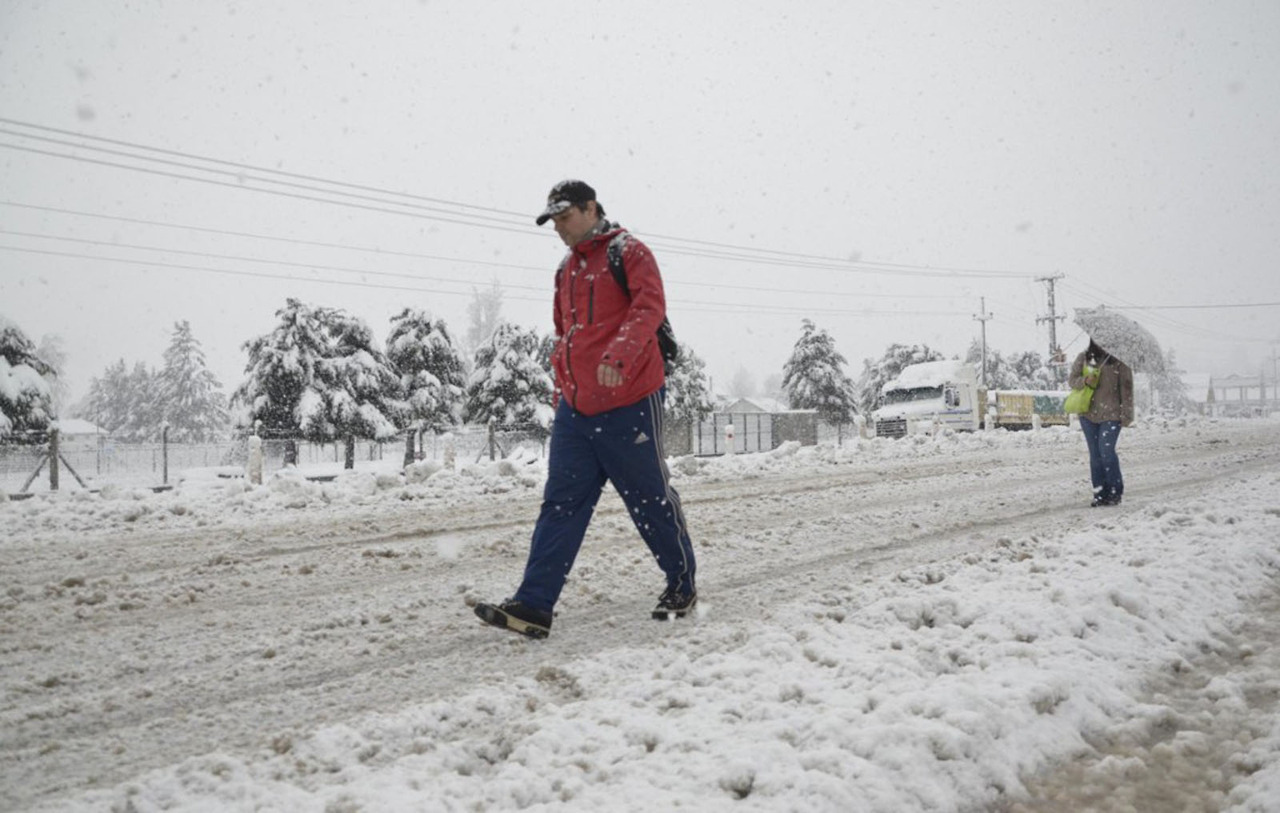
(623, 445)
(1104, 464)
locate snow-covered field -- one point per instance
(926, 624)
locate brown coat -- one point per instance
(1113, 397)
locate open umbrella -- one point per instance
(1122, 337)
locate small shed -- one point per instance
(755, 403)
(80, 434)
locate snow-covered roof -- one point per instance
(79, 426)
(755, 404)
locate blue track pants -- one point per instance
(624, 446)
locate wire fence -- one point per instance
(94, 461)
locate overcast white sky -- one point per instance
(1131, 147)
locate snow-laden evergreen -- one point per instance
(688, 390)
(814, 377)
(423, 354)
(26, 400)
(145, 417)
(363, 395)
(875, 374)
(190, 395)
(508, 384)
(1022, 371)
(107, 403)
(52, 350)
(1170, 387)
(318, 375)
(125, 402)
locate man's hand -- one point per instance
(608, 376)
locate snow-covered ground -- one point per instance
(925, 624)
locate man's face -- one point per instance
(573, 223)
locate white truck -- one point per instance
(935, 394)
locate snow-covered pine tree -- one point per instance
(814, 377)
(318, 375)
(282, 370)
(1170, 387)
(190, 395)
(1031, 372)
(508, 385)
(1000, 376)
(52, 351)
(363, 394)
(688, 390)
(143, 412)
(875, 374)
(423, 354)
(26, 401)
(546, 348)
(107, 403)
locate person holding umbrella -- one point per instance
(1110, 409)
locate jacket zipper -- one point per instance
(568, 338)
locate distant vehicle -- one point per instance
(937, 394)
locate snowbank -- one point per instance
(954, 682)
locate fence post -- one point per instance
(493, 440)
(164, 450)
(450, 452)
(53, 459)
(255, 460)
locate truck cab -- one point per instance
(933, 393)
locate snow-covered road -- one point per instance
(916, 624)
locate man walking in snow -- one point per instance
(608, 423)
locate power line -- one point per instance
(241, 258)
(722, 251)
(241, 167)
(238, 175)
(278, 192)
(271, 237)
(1168, 323)
(193, 156)
(694, 305)
(383, 252)
(233, 272)
(1197, 307)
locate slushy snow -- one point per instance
(935, 624)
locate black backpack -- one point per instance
(666, 336)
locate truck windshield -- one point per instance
(913, 394)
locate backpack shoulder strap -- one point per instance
(616, 266)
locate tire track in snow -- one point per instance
(152, 718)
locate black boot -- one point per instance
(674, 604)
(514, 616)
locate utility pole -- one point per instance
(983, 319)
(1275, 381)
(1056, 357)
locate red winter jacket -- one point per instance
(596, 321)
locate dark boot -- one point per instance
(514, 616)
(674, 604)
